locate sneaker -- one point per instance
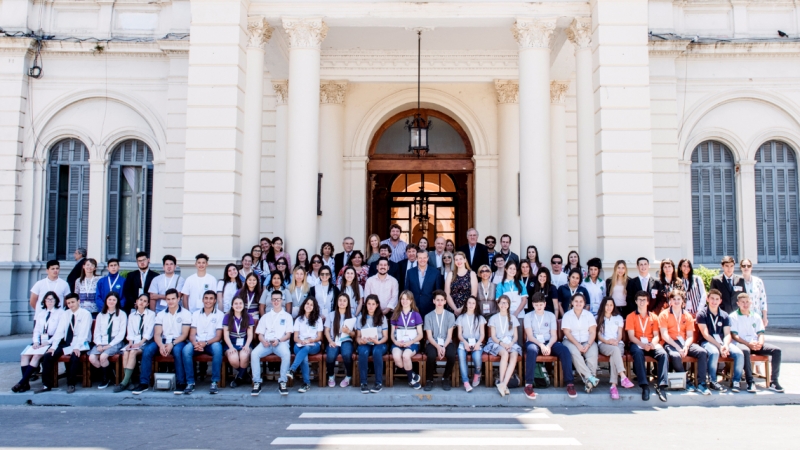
(179, 388)
(467, 386)
(446, 384)
(614, 393)
(377, 388)
(588, 386)
(660, 393)
(714, 386)
(595, 381)
(119, 388)
(690, 388)
(501, 388)
(42, 390)
(415, 383)
(140, 388)
(476, 380)
(290, 374)
(214, 389)
(429, 385)
(233, 383)
(331, 382)
(131, 386)
(735, 386)
(17, 388)
(701, 388)
(104, 384)
(776, 387)
(189, 389)
(256, 389)
(416, 379)
(282, 389)
(571, 391)
(70, 389)
(626, 383)
(345, 382)
(304, 388)
(751, 387)
(364, 388)
(529, 392)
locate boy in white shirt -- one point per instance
(51, 283)
(274, 330)
(205, 336)
(747, 329)
(196, 285)
(71, 337)
(167, 280)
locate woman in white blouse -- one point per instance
(609, 334)
(45, 323)
(228, 286)
(580, 330)
(109, 332)
(141, 323)
(349, 285)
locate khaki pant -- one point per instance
(614, 353)
(584, 363)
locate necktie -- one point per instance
(141, 325)
(110, 326)
(730, 285)
(68, 339)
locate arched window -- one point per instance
(130, 200)
(776, 203)
(67, 222)
(713, 203)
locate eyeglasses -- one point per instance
(447, 257)
(316, 262)
(486, 271)
(280, 264)
(746, 266)
(555, 263)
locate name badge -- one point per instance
(737, 289)
(681, 341)
(240, 342)
(718, 339)
(471, 342)
(103, 340)
(162, 302)
(644, 340)
(339, 340)
(169, 339)
(440, 341)
(507, 340)
(654, 292)
(407, 335)
(540, 337)
(486, 308)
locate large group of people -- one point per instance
(400, 299)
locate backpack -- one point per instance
(540, 378)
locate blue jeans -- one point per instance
(559, 350)
(364, 352)
(151, 350)
(346, 350)
(462, 362)
(301, 358)
(215, 350)
(713, 359)
(282, 350)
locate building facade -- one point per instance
(617, 128)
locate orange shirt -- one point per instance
(642, 326)
(667, 320)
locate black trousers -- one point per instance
(49, 361)
(766, 350)
(450, 355)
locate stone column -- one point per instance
(259, 32)
(558, 155)
(748, 234)
(580, 34)
(302, 161)
(331, 160)
(685, 213)
(281, 88)
(95, 243)
(508, 197)
(533, 37)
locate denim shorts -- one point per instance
(414, 347)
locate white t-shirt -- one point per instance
(228, 293)
(274, 325)
(42, 287)
(207, 324)
(307, 331)
(558, 280)
(172, 324)
(611, 327)
(195, 286)
(579, 326)
(161, 283)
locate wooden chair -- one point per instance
(387, 365)
(202, 357)
(85, 377)
(727, 374)
(420, 358)
(276, 359)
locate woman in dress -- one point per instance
(503, 337)
(86, 287)
(45, 323)
(228, 286)
(617, 284)
(460, 284)
(374, 252)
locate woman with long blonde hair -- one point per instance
(617, 284)
(298, 291)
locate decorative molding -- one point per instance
(533, 33)
(558, 91)
(710, 50)
(281, 88)
(332, 92)
(259, 32)
(507, 91)
(305, 33)
(579, 32)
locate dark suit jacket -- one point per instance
(423, 295)
(130, 290)
(402, 270)
(510, 257)
(74, 274)
(338, 262)
(373, 269)
(728, 296)
(481, 255)
(634, 286)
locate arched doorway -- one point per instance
(443, 178)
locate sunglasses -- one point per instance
(746, 266)
(486, 271)
(316, 262)
(447, 257)
(555, 263)
(490, 242)
(280, 264)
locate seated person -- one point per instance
(748, 331)
(471, 332)
(406, 335)
(237, 334)
(273, 332)
(715, 329)
(503, 337)
(609, 342)
(580, 332)
(438, 326)
(643, 334)
(541, 336)
(371, 317)
(308, 330)
(205, 337)
(140, 332)
(109, 334)
(340, 340)
(677, 330)
(45, 324)
(71, 338)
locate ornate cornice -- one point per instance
(558, 91)
(281, 88)
(259, 32)
(507, 91)
(533, 33)
(305, 33)
(579, 32)
(332, 92)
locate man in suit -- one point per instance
(642, 282)
(729, 284)
(477, 253)
(422, 281)
(385, 252)
(77, 270)
(407, 264)
(137, 282)
(435, 257)
(343, 258)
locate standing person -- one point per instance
(170, 334)
(422, 243)
(667, 282)
(580, 331)
(141, 322)
(45, 324)
(160, 284)
(110, 283)
(137, 282)
(532, 255)
(677, 329)
(541, 336)
(307, 339)
(503, 337)
(729, 285)
(460, 285)
(371, 343)
(505, 250)
(715, 330)
(568, 291)
(196, 285)
(385, 252)
(748, 331)
(487, 293)
(557, 276)
(693, 286)
(274, 330)
(298, 291)
(574, 262)
(205, 338)
(594, 285)
(313, 274)
(282, 266)
(374, 248)
(515, 291)
(340, 341)
(267, 253)
(755, 287)
(50, 284)
(545, 287)
(86, 287)
(450, 246)
(404, 266)
(302, 260)
(227, 287)
(499, 271)
(247, 266)
(343, 258)
(527, 279)
(350, 287)
(448, 266)
(406, 336)
(79, 255)
(383, 286)
(260, 267)
(109, 333)
(357, 263)
(324, 293)
(643, 334)
(490, 241)
(250, 293)
(326, 250)
(278, 251)
(438, 326)
(275, 284)
(71, 337)
(237, 332)
(397, 245)
(477, 254)
(617, 284)
(423, 281)
(436, 255)
(610, 326)
(471, 332)
(642, 282)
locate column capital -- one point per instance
(332, 92)
(533, 33)
(305, 32)
(558, 91)
(281, 88)
(258, 31)
(507, 91)
(579, 32)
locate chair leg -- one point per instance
(223, 372)
(356, 374)
(389, 378)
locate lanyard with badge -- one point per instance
(270, 332)
(643, 328)
(487, 307)
(439, 339)
(714, 327)
(678, 325)
(172, 319)
(238, 324)
(540, 337)
(405, 334)
(474, 331)
(504, 327)
(112, 283)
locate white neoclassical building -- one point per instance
(618, 128)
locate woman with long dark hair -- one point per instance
(86, 286)
(667, 281)
(348, 285)
(574, 262)
(513, 289)
(227, 287)
(373, 344)
(503, 337)
(275, 283)
(532, 255)
(279, 252)
(301, 260)
(610, 326)
(45, 324)
(307, 340)
(567, 291)
(340, 341)
(237, 331)
(109, 333)
(250, 294)
(325, 292)
(545, 287)
(693, 286)
(282, 266)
